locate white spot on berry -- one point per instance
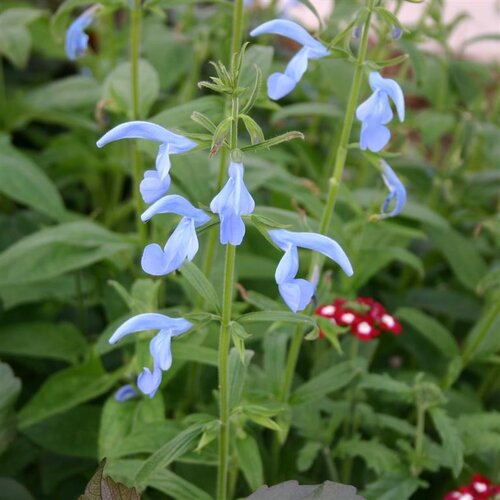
(364, 328)
(348, 318)
(328, 310)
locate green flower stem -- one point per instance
(416, 467)
(135, 40)
(225, 338)
(334, 182)
(237, 28)
(224, 341)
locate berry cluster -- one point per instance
(365, 317)
(479, 488)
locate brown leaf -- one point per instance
(104, 488)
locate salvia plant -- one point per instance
(290, 307)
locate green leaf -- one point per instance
(24, 182)
(42, 340)
(187, 351)
(171, 451)
(72, 433)
(377, 456)
(433, 331)
(395, 486)
(273, 316)
(66, 389)
(462, 255)
(329, 381)
(253, 129)
(56, 250)
(237, 374)
(15, 44)
(200, 283)
(483, 339)
(70, 93)
(100, 487)
(10, 489)
(306, 109)
(385, 383)
(307, 455)
(10, 387)
(250, 462)
(450, 437)
(269, 143)
(117, 88)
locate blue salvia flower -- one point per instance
(397, 191)
(159, 347)
(76, 39)
(183, 242)
(126, 393)
(156, 182)
(233, 201)
(376, 112)
(297, 293)
(281, 84)
(396, 32)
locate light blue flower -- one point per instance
(376, 112)
(156, 182)
(281, 84)
(233, 201)
(183, 242)
(159, 347)
(397, 191)
(76, 39)
(126, 393)
(396, 32)
(297, 293)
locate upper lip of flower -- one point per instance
(176, 204)
(291, 30)
(397, 190)
(76, 38)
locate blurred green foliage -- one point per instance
(69, 274)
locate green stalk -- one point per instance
(416, 468)
(135, 40)
(224, 340)
(336, 165)
(3, 97)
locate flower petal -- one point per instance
(397, 191)
(149, 382)
(152, 187)
(392, 89)
(374, 136)
(147, 130)
(76, 39)
(176, 204)
(233, 201)
(288, 266)
(279, 85)
(298, 65)
(125, 393)
(376, 108)
(182, 245)
(291, 30)
(296, 293)
(313, 241)
(159, 348)
(150, 321)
